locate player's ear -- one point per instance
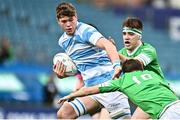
(137, 37)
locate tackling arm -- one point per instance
(80, 93)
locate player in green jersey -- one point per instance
(136, 49)
(144, 88)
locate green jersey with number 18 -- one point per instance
(147, 54)
(146, 89)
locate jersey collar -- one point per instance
(129, 54)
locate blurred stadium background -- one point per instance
(32, 31)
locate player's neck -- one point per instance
(132, 51)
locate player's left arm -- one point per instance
(112, 53)
(97, 39)
(109, 47)
(146, 56)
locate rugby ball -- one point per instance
(71, 68)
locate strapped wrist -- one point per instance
(116, 63)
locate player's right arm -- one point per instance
(109, 86)
(80, 93)
(59, 68)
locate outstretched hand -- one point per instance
(62, 100)
(65, 98)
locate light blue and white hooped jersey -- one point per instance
(93, 62)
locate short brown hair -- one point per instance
(131, 65)
(133, 22)
(65, 9)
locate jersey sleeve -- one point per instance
(147, 55)
(90, 34)
(110, 86)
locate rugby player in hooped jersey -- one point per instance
(96, 59)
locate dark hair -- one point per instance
(65, 9)
(133, 22)
(131, 65)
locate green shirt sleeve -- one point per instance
(110, 86)
(147, 54)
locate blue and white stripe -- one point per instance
(93, 62)
(78, 106)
